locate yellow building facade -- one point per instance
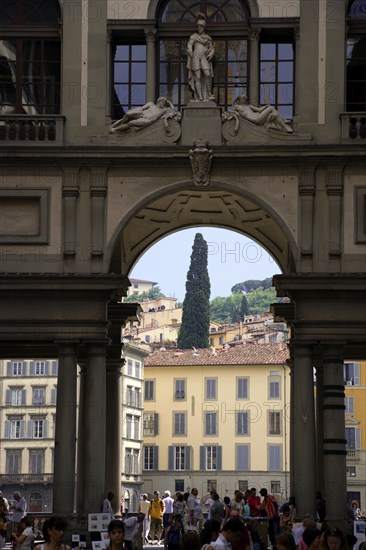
(217, 419)
(355, 403)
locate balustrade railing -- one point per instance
(31, 129)
(353, 125)
(7, 479)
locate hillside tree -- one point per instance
(195, 328)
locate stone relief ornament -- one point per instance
(201, 159)
(141, 117)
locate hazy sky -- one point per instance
(232, 258)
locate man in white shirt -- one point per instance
(18, 507)
(195, 514)
(132, 526)
(231, 532)
(168, 501)
(107, 506)
(299, 531)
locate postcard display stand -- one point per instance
(98, 530)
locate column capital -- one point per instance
(334, 180)
(150, 34)
(332, 352)
(254, 35)
(71, 191)
(67, 348)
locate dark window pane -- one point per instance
(138, 72)
(286, 111)
(285, 71)
(356, 74)
(237, 49)
(268, 71)
(122, 53)
(169, 72)
(122, 93)
(285, 93)
(285, 51)
(357, 9)
(138, 52)
(268, 52)
(121, 72)
(268, 94)
(138, 94)
(178, 11)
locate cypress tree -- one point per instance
(194, 331)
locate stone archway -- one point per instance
(189, 207)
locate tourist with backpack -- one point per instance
(156, 511)
(269, 507)
(173, 534)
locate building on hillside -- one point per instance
(138, 286)
(355, 402)
(217, 419)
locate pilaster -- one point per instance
(307, 192)
(70, 192)
(334, 186)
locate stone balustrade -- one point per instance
(31, 129)
(353, 125)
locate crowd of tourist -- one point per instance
(246, 521)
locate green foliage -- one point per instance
(226, 310)
(250, 297)
(152, 294)
(252, 284)
(195, 326)
(260, 299)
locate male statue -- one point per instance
(200, 52)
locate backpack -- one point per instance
(160, 502)
(174, 536)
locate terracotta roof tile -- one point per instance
(244, 354)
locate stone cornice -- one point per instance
(322, 282)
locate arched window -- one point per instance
(356, 56)
(35, 503)
(30, 55)
(227, 24)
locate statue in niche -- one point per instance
(266, 115)
(200, 52)
(140, 117)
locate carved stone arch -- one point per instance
(181, 206)
(154, 6)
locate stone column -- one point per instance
(334, 450)
(81, 441)
(94, 434)
(150, 35)
(113, 432)
(254, 67)
(292, 424)
(304, 440)
(319, 426)
(65, 433)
